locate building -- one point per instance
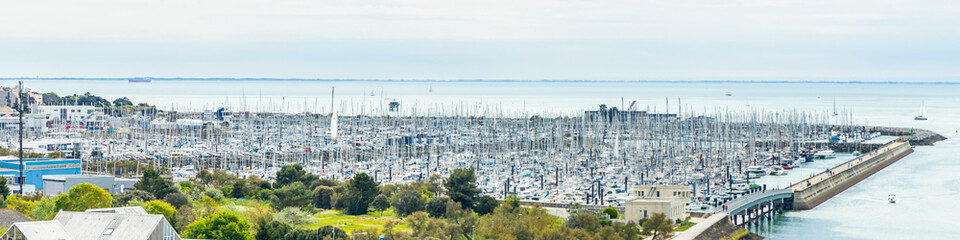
(128, 223)
(9, 97)
(80, 116)
(34, 169)
(53, 185)
(670, 200)
(658, 191)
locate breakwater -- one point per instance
(815, 190)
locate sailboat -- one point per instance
(431, 89)
(923, 114)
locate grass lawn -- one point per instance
(684, 227)
(349, 222)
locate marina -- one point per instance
(592, 157)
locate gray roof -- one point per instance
(95, 225)
(10, 216)
(138, 210)
(41, 230)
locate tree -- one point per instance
(462, 186)
(659, 225)
(291, 195)
(177, 199)
(205, 177)
(163, 208)
(437, 206)
(627, 231)
(407, 202)
(4, 189)
(84, 196)
(133, 195)
(362, 191)
(214, 193)
(289, 174)
(608, 232)
(292, 216)
(583, 220)
(154, 184)
(240, 188)
(612, 212)
(485, 205)
(511, 202)
(564, 233)
(23, 206)
(185, 215)
(272, 230)
(119, 102)
(220, 225)
(380, 203)
(43, 210)
(323, 197)
(515, 223)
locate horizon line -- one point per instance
(475, 80)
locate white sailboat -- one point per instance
(923, 114)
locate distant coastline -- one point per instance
(479, 80)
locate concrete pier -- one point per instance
(815, 190)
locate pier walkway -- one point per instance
(753, 207)
(819, 188)
(823, 176)
(762, 205)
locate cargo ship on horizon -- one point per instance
(139, 80)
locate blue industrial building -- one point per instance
(35, 168)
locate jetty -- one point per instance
(760, 206)
(815, 190)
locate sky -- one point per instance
(749, 40)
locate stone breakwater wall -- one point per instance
(821, 187)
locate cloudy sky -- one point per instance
(816, 40)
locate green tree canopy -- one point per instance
(45, 209)
(119, 102)
(221, 225)
(289, 174)
(583, 220)
(362, 190)
(323, 197)
(291, 195)
(272, 230)
(437, 206)
(407, 202)
(380, 203)
(659, 225)
(4, 189)
(177, 199)
(161, 207)
(84, 196)
(462, 186)
(121, 199)
(485, 205)
(612, 212)
(292, 216)
(154, 184)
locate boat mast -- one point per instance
(20, 106)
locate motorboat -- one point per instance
(825, 154)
